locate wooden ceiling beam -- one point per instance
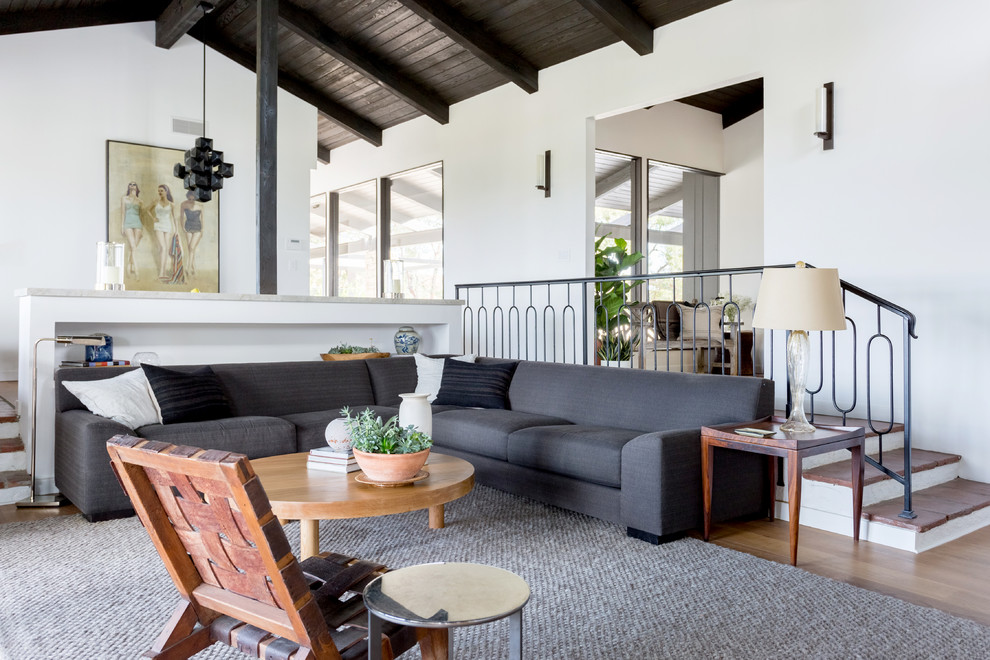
(177, 19)
(381, 73)
(624, 21)
(478, 41)
(347, 119)
(111, 13)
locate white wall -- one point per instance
(64, 93)
(671, 132)
(897, 206)
(741, 205)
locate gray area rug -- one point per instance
(78, 590)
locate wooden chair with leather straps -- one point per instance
(210, 520)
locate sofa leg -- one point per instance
(108, 515)
(655, 539)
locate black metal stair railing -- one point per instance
(562, 320)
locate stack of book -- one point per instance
(324, 458)
(103, 363)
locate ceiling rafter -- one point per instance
(111, 13)
(327, 107)
(478, 41)
(624, 21)
(176, 20)
(381, 73)
(613, 180)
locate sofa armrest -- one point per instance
(661, 483)
(82, 464)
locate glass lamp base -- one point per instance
(797, 426)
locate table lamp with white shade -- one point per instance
(799, 299)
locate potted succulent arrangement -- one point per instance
(729, 306)
(345, 351)
(385, 451)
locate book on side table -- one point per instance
(324, 458)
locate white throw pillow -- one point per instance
(429, 373)
(696, 322)
(126, 399)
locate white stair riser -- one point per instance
(11, 495)
(890, 442)
(10, 430)
(838, 499)
(13, 460)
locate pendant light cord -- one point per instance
(204, 88)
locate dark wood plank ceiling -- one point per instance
(734, 103)
(370, 64)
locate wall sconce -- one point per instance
(824, 115)
(543, 173)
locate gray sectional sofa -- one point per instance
(618, 444)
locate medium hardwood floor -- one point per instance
(954, 577)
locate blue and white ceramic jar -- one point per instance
(407, 340)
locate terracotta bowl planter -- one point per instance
(334, 357)
(391, 467)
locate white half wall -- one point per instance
(66, 92)
(909, 158)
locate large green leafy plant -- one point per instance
(369, 433)
(612, 301)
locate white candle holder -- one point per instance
(109, 266)
(393, 278)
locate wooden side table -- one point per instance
(792, 446)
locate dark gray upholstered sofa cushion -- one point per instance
(283, 388)
(311, 426)
(589, 453)
(638, 400)
(484, 432)
(255, 436)
(391, 377)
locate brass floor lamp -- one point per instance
(53, 499)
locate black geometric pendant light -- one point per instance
(204, 169)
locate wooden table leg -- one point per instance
(436, 516)
(857, 488)
(309, 538)
(707, 471)
(794, 502)
(772, 469)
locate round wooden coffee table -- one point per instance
(310, 496)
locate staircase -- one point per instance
(946, 505)
(14, 479)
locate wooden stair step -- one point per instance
(11, 444)
(14, 478)
(835, 420)
(935, 506)
(921, 460)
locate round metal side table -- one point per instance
(446, 595)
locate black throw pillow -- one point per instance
(474, 385)
(187, 396)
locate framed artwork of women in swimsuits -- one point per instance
(171, 240)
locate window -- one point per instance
(318, 255)
(664, 226)
(616, 207)
(354, 222)
(358, 231)
(415, 222)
